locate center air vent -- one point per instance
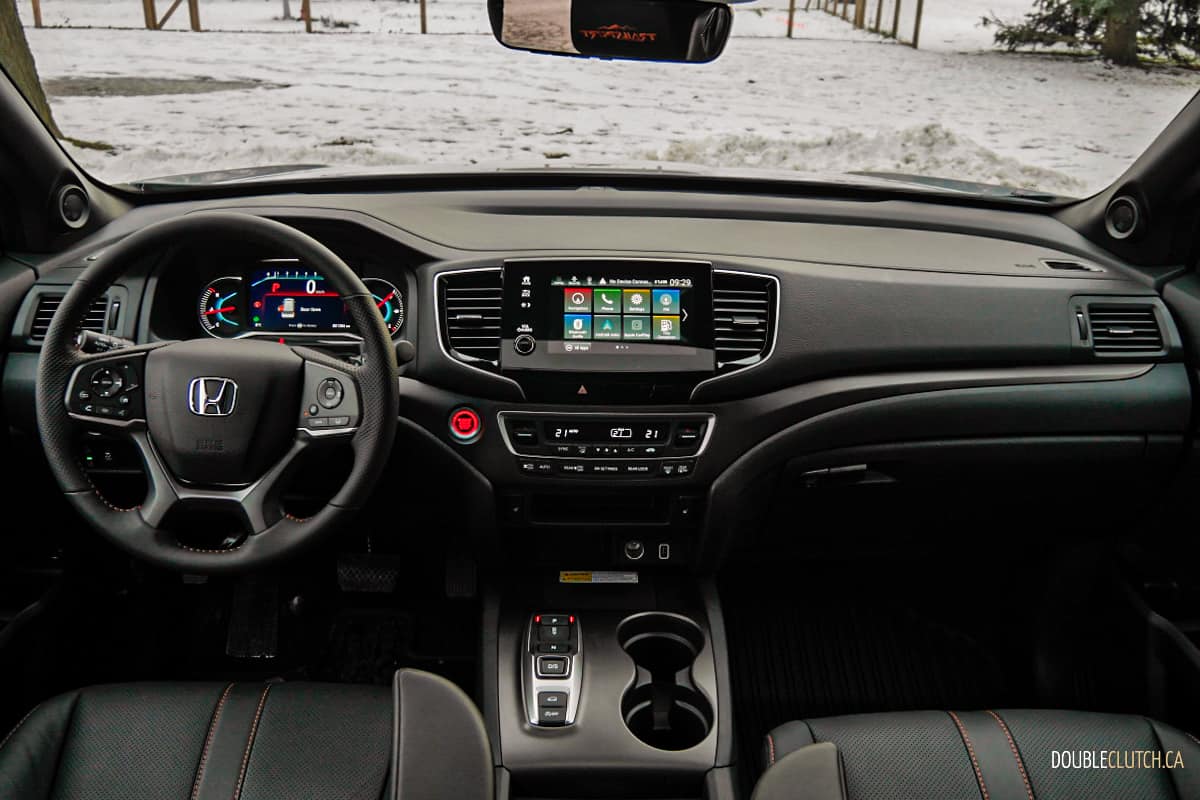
(1124, 329)
(743, 318)
(471, 304)
(96, 320)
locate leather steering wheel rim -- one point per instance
(374, 381)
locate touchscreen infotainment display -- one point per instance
(618, 316)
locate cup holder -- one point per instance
(663, 707)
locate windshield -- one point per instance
(367, 90)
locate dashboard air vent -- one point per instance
(1069, 265)
(1124, 328)
(743, 318)
(471, 305)
(96, 319)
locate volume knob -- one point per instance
(524, 344)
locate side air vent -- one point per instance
(96, 319)
(1124, 329)
(743, 318)
(471, 304)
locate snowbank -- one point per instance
(929, 150)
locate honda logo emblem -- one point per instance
(212, 397)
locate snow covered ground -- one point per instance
(831, 100)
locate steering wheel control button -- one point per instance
(107, 382)
(107, 391)
(330, 393)
(524, 344)
(552, 666)
(465, 425)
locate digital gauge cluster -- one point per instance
(286, 298)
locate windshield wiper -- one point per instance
(219, 176)
(966, 187)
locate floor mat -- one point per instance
(792, 658)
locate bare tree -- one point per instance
(17, 60)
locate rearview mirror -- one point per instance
(642, 30)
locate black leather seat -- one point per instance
(251, 741)
(980, 755)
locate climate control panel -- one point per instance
(606, 445)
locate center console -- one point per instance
(615, 691)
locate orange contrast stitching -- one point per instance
(1012, 745)
(212, 729)
(262, 701)
(970, 751)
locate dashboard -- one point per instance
(650, 356)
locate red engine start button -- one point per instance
(465, 424)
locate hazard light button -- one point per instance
(465, 425)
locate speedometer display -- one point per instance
(221, 307)
(291, 299)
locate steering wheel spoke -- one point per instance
(257, 504)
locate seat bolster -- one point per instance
(441, 747)
(30, 753)
(813, 771)
(783, 740)
(1186, 779)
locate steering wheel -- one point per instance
(219, 423)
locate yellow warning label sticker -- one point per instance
(589, 576)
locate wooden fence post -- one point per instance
(845, 9)
(306, 12)
(791, 16)
(878, 16)
(896, 21)
(917, 26)
(424, 24)
(860, 13)
(37, 13)
(194, 14)
(150, 15)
